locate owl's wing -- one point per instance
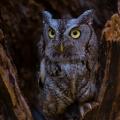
(40, 74)
(93, 53)
(40, 48)
(92, 64)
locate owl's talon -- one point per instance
(82, 112)
(87, 107)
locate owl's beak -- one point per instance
(61, 47)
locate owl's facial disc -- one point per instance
(65, 38)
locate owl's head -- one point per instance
(67, 39)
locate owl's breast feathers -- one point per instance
(61, 85)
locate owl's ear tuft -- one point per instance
(46, 16)
(87, 17)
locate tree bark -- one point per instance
(14, 105)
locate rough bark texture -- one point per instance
(20, 28)
(10, 95)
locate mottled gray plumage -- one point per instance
(68, 52)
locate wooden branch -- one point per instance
(10, 88)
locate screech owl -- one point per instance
(68, 53)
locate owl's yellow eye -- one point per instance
(75, 33)
(51, 33)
